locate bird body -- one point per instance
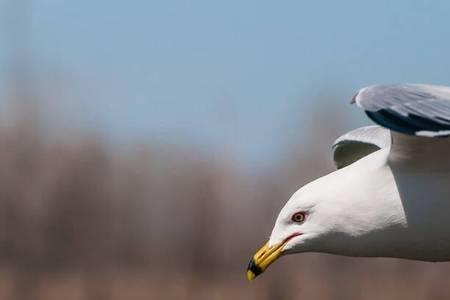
(390, 196)
(384, 210)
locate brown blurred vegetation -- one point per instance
(83, 218)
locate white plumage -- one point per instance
(390, 196)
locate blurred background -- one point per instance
(146, 147)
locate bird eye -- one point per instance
(298, 217)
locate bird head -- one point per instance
(335, 214)
(299, 224)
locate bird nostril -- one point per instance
(261, 255)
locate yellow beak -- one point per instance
(266, 256)
(263, 259)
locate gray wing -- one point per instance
(413, 109)
(358, 143)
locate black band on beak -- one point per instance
(252, 267)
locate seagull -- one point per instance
(390, 194)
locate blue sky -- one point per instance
(234, 75)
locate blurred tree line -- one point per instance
(85, 218)
(79, 203)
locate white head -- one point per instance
(336, 214)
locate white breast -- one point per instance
(406, 208)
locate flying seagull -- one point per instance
(390, 196)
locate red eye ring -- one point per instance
(298, 217)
